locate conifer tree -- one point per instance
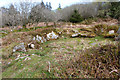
(76, 17)
(50, 7)
(59, 6)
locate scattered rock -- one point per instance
(96, 39)
(18, 57)
(60, 33)
(63, 37)
(31, 45)
(19, 39)
(83, 35)
(71, 25)
(44, 39)
(75, 35)
(27, 58)
(52, 35)
(33, 38)
(39, 39)
(33, 54)
(3, 32)
(19, 47)
(93, 43)
(9, 62)
(41, 48)
(111, 32)
(102, 30)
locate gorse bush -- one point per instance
(76, 17)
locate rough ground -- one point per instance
(53, 54)
(81, 57)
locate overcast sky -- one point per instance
(54, 3)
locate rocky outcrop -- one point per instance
(46, 37)
(52, 36)
(39, 39)
(84, 34)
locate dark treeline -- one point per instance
(28, 12)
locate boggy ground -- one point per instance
(65, 57)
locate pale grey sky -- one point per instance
(54, 3)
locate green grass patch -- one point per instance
(37, 66)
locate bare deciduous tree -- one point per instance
(41, 14)
(29, 12)
(0, 18)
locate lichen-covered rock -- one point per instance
(111, 32)
(75, 35)
(30, 45)
(20, 47)
(33, 38)
(39, 39)
(52, 35)
(59, 33)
